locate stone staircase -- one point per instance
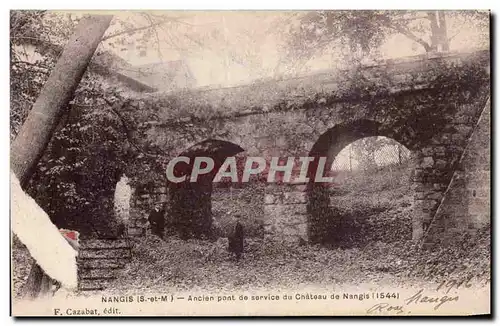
(99, 260)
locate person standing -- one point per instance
(236, 240)
(157, 220)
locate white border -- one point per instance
(254, 5)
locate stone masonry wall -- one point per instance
(285, 211)
(477, 178)
(430, 105)
(144, 198)
(467, 202)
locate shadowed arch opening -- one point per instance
(190, 205)
(324, 219)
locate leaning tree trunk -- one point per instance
(37, 130)
(35, 134)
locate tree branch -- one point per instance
(406, 32)
(156, 34)
(452, 37)
(131, 31)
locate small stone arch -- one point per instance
(189, 209)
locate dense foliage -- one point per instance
(74, 181)
(359, 34)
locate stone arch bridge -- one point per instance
(435, 105)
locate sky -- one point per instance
(248, 34)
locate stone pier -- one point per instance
(285, 212)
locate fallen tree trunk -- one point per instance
(37, 130)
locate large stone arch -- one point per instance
(320, 216)
(189, 211)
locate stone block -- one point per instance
(463, 129)
(298, 209)
(294, 198)
(438, 186)
(446, 138)
(135, 232)
(300, 187)
(161, 190)
(420, 195)
(273, 211)
(439, 150)
(427, 151)
(455, 198)
(419, 204)
(427, 162)
(435, 196)
(433, 204)
(417, 232)
(440, 164)
(455, 149)
(458, 139)
(418, 176)
(463, 119)
(269, 199)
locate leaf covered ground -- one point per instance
(196, 264)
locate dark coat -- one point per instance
(157, 221)
(236, 240)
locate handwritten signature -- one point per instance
(385, 307)
(437, 301)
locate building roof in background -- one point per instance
(164, 76)
(104, 63)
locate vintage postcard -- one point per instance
(250, 163)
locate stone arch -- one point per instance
(329, 145)
(189, 210)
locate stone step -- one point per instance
(104, 253)
(103, 263)
(93, 284)
(104, 244)
(99, 261)
(101, 273)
